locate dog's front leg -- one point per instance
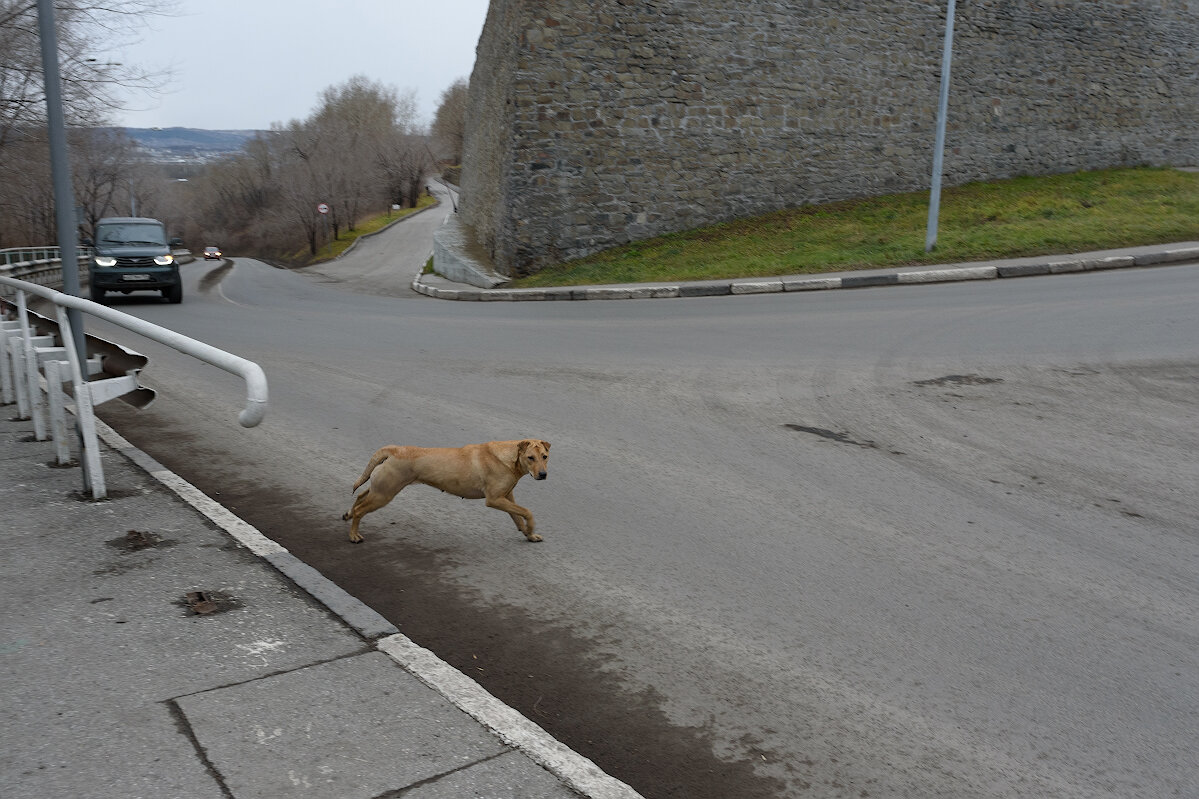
(522, 516)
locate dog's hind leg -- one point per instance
(366, 502)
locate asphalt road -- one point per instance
(924, 541)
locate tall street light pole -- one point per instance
(934, 200)
(60, 169)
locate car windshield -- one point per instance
(131, 234)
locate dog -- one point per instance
(476, 471)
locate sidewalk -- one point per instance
(439, 287)
(121, 680)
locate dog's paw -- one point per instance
(534, 538)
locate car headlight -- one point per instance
(104, 260)
(164, 260)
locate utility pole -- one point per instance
(60, 170)
(64, 195)
(934, 200)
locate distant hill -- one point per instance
(189, 144)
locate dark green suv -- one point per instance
(133, 254)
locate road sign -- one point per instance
(322, 209)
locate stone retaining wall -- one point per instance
(595, 123)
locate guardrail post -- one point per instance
(27, 375)
(89, 445)
(8, 393)
(20, 376)
(58, 410)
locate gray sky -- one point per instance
(243, 64)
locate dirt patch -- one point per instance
(958, 380)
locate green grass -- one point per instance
(979, 221)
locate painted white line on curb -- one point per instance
(572, 768)
(950, 275)
(757, 287)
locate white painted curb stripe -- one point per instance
(950, 275)
(514, 729)
(757, 287)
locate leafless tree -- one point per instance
(105, 175)
(358, 152)
(406, 164)
(89, 33)
(449, 122)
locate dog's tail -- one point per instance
(376, 459)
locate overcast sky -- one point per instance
(243, 64)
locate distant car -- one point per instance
(212, 253)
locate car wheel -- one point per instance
(96, 292)
(174, 294)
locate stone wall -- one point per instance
(597, 122)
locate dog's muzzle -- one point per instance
(541, 475)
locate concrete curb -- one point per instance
(1019, 267)
(575, 771)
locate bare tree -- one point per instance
(359, 151)
(27, 201)
(359, 122)
(105, 177)
(87, 32)
(304, 180)
(449, 122)
(406, 163)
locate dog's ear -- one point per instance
(521, 446)
(545, 444)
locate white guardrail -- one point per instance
(41, 265)
(23, 352)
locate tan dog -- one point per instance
(477, 471)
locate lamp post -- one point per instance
(60, 170)
(934, 200)
(64, 195)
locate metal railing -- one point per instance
(40, 265)
(22, 354)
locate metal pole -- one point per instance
(60, 169)
(64, 216)
(934, 201)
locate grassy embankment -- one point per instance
(980, 221)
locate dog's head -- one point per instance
(532, 455)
